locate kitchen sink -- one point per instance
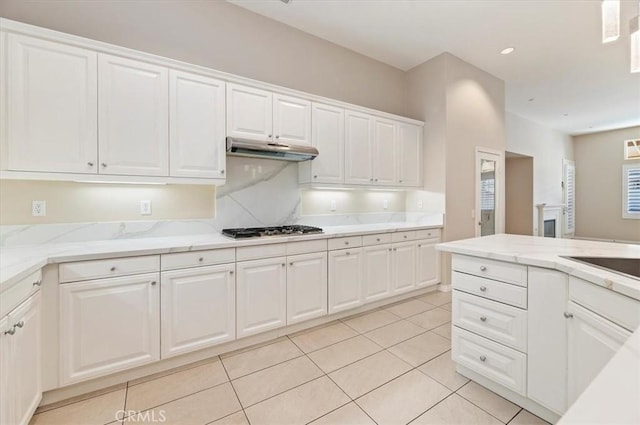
(625, 266)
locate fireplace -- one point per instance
(550, 228)
(550, 220)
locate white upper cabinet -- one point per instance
(291, 120)
(358, 149)
(196, 123)
(328, 137)
(409, 155)
(249, 113)
(51, 106)
(133, 117)
(384, 152)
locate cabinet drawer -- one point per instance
(348, 242)
(490, 359)
(261, 251)
(622, 310)
(97, 269)
(403, 236)
(378, 239)
(496, 321)
(183, 260)
(491, 269)
(491, 289)
(428, 234)
(305, 247)
(19, 292)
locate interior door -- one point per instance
(489, 208)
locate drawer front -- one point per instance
(496, 321)
(620, 309)
(261, 251)
(490, 359)
(348, 242)
(305, 247)
(183, 260)
(19, 292)
(378, 239)
(515, 274)
(97, 269)
(491, 289)
(403, 236)
(428, 234)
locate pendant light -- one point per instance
(610, 20)
(634, 31)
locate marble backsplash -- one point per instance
(258, 193)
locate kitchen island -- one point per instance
(538, 328)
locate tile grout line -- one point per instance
(480, 407)
(236, 394)
(412, 420)
(514, 416)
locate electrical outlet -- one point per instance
(145, 207)
(420, 204)
(385, 204)
(39, 208)
(333, 205)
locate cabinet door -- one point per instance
(547, 338)
(593, 341)
(409, 155)
(291, 120)
(328, 137)
(427, 262)
(306, 287)
(376, 272)
(108, 325)
(345, 279)
(7, 373)
(52, 106)
(133, 117)
(196, 122)
(198, 308)
(358, 148)
(261, 295)
(403, 267)
(249, 113)
(384, 152)
(26, 356)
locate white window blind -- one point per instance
(488, 194)
(631, 191)
(569, 184)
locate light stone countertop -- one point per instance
(18, 262)
(548, 253)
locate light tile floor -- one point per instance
(388, 366)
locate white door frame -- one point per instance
(498, 157)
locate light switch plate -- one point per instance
(333, 205)
(39, 208)
(145, 207)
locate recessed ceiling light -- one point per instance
(566, 115)
(531, 99)
(507, 50)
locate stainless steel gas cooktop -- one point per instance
(256, 232)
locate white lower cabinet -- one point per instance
(306, 286)
(108, 325)
(20, 363)
(197, 308)
(593, 341)
(376, 272)
(403, 267)
(427, 262)
(261, 291)
(345, 279)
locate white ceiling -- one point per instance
(559, 60)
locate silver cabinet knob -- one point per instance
(201, 259)
(277, 137)
(315, 177)
(377, 239)
(483, 358)
(153, 283)
(230, 271)
(483, 268)
(568, 315)
(291, 263)
(375, 180)
(10, 331)
(221, 171)
(346, 242)
(395, 249)
(389, 249)
(104, 165)
(370, 180)
(484, 319)
(270, 136)
(483, 288)
(113, 269)
(347, 253)
(405, 236)
(90, 164)
(400, 181)
(283, 264)
(419, 245)
(37, 283)
(19, 324)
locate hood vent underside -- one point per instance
(254, 149)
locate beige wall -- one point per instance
(316, 202)
(69, 202)
(599, 159)
(518, 185)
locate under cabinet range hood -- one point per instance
(254, 149)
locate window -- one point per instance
(632, 149)
(631, 191)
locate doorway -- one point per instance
(489, 208)
(519, 194)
